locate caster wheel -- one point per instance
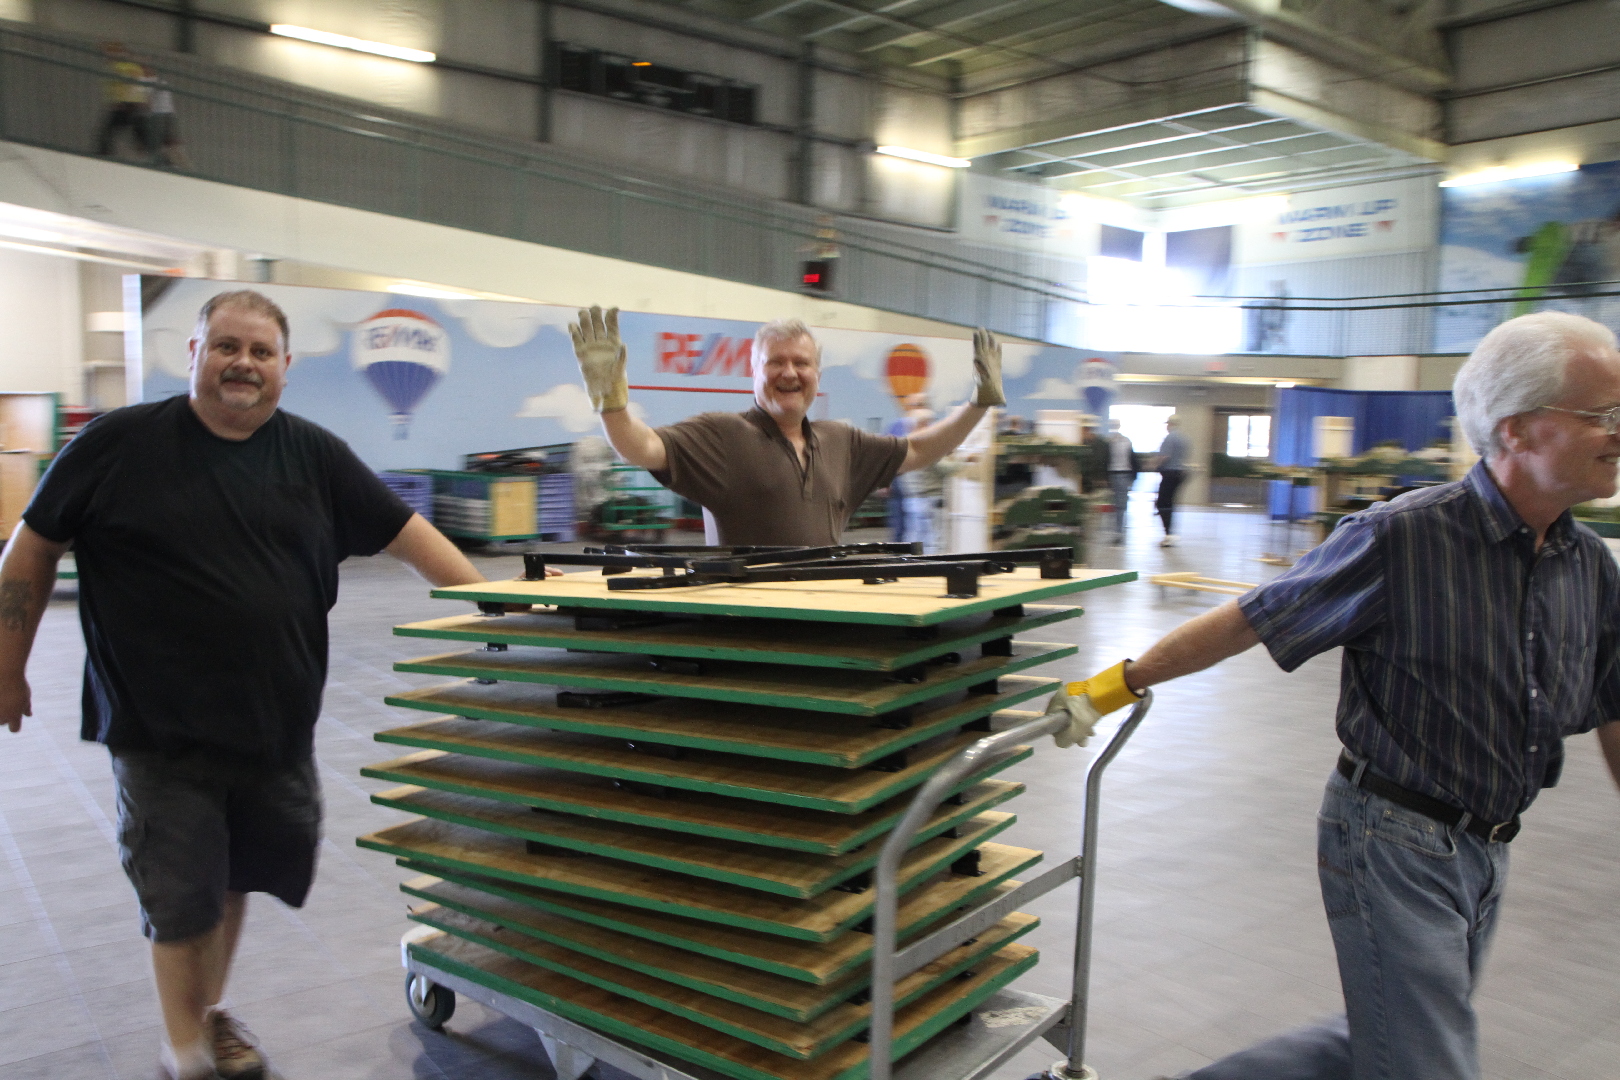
(430, 1003)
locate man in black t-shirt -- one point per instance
(208, 531)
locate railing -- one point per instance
(257, 133)
(1411, 323)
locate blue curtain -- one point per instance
(1414, 418)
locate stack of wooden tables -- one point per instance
(655, 813)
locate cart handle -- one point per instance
(886, 877)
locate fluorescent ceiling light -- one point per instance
(1285, 386)
(85, 256)
(432, 292)
(1509, 172)
(925, 157)
(321, 37)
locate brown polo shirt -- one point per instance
(740, 468)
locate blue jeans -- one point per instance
(1412, 905)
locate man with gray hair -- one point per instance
(771, 475)
(1480, 627)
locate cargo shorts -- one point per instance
(191, 828)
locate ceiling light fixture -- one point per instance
(1509, 172)
(1286, 385)
(925, 157)
(341, 41)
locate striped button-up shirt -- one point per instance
(1468, 654)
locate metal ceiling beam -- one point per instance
(1014, 31)
(1057, 152)
(948, 16)
(1335, 48)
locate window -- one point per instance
(1248, 435)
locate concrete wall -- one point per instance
(43, 345)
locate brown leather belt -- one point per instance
(1431, 808)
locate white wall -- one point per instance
(43, 344)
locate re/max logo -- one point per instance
(705, 354)
(402, 337)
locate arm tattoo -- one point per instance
(16, 598)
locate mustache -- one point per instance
(251, 378)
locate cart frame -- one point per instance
(987, 1038)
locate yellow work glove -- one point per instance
(1088, 701)
(987, 370)
(601, 358)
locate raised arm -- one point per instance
(938, 439)
(601, 356)
(27, 576)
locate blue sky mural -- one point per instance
(503, 374)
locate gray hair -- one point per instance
(1518, 368)
(784, 330)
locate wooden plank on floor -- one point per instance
(803, 1038)
(848, 646)
(784, 873)
(817, 787)
(625, 1018)
(907, 602)
(773, 994)
(819, 918)
(786, 734)
(790, 827)
(845, 958)
(855, 693)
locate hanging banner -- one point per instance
(1338, 223)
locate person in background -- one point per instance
(164, 131)
(771, 475)
(924, 491)
(1121, 475)
(1094, 466)
(1172, 465)
(208, 530)
(899, 428)
(128, 95)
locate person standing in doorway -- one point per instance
(1172, 466)
(1121, 475)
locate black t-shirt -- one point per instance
(206, 569)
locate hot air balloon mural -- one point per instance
(402, 354)
(1096, 381)
(907, 370)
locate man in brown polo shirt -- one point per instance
(771, 475)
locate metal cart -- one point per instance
(976, 1046)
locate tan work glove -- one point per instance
(987, 370)
(1088, 701)
(601, 358)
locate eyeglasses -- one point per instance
(1608, 419)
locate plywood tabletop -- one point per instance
(856, 693)
(844, 958)
(851, 646)
(906, 602)
(785, 873)
(649, 1026)
(803, 1038)
(723, 979)
(818, 918)
(761, 731)
(791, 783)
(790, 828)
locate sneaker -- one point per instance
(1168, 541)
(236, 1056)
